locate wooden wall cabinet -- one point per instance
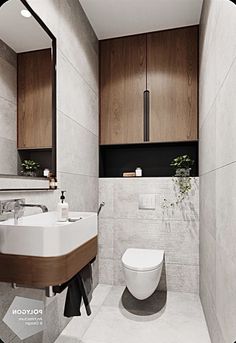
(34, 117)
(172, 74)
(122, 83)
(166, 64)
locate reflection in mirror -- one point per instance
(27, 92)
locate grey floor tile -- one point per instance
(99, 294)
(180, 320)
(77, 326)
(67, 339)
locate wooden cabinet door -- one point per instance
(34, 104)
(172, 74)
(122, 83)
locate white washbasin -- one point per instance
(41, 234)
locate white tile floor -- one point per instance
(181, 320)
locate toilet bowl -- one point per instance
(142, 269)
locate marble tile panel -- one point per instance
(181, 278)
(8, 83)
(105, 238)
(106, 194)
(179, 240)
(208, 209)
(83, 52)
(8, 120)
(106, 271)
(75, 97)
(226, 120)
(207, 143)
(82, 191)
(126, 199)
(225, 209)
(77, 148)
(8, 157)
(225, 290)
(225, 44)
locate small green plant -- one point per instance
(182, 180)
(30, 167)
(182, 162)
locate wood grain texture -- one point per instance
(34, 103)
(172, 79)
(122, 83)
(46, 271)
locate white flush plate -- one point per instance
(147, 201)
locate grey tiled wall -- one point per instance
(123, 225)
(77, 141)
(218, 168)
(8, 93)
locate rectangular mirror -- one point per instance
(27, 93)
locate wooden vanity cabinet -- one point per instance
(34, 117)
(122, 83)
(166, 64)
(172, 80)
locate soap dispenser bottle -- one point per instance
(62, 209)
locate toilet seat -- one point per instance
(142, 259)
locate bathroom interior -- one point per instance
(117, 171)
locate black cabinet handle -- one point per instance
(146, 109)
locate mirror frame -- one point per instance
(39, 180)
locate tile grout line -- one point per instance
(77, 70)
(99, 308)
(218, 168)
(217, 93)
(9, 140)
(172, 263)
(152, 219)
(7, 100)
(79, 124)
(77, 174)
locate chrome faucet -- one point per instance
(11, 206)
(42, 207)
(16, 206)
(19, 205)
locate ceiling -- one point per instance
(21, 34)
(115, 18)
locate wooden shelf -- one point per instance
(35, 149)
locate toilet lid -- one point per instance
(142, 259)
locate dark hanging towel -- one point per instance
(79, 287)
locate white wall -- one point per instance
(123, 225)
(77, 134)
(218, 168)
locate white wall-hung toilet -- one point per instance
(142, 268)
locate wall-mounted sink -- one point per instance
(41, 235)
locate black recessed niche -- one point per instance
(153, 158)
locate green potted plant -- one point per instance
(182, 180)
(30, 167)
(182, 165)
